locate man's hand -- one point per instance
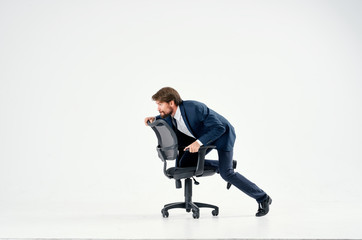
(151, 119)
(193, 147)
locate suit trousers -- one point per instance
(224, 166)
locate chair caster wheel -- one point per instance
(164, 213)
(215, 212)
(195, 214)
(188, 210)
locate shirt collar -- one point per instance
(177, 115)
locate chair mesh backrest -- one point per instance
(167, 140)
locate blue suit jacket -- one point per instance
(207, 125)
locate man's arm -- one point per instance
(193, 147)
(214, 127)
(151, 119)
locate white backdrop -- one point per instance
(76, 80)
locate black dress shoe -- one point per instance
(264, 207)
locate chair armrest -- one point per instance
(201, 159)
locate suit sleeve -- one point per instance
(214, 128)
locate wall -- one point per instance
(77, 78)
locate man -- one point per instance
(196, 125)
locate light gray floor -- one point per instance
(313, 220)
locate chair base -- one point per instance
(188, 204)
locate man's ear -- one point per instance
(172, 103)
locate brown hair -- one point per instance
(167, 94)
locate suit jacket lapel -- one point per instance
(183, 114)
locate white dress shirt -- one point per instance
(181, 125)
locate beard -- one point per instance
(164, 114)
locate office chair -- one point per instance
(167, 151)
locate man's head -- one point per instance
(167, 100)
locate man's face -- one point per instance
(164, 109)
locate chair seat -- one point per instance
(188, 172)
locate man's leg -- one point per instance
(228, 174)
(187, 159)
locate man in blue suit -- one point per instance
(196, 125)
